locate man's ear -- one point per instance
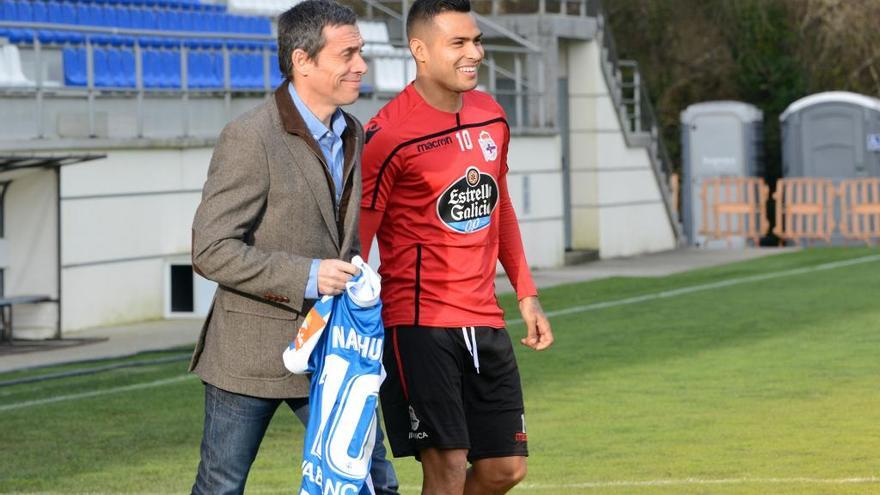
(301, 62)
(419, 50)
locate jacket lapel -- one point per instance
(315, 171)
(352, 138)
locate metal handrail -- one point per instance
(523, 89)
(636, 113)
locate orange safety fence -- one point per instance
(804, 209)
(860, 209)
(734, 207)
(675, 190)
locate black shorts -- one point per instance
(438, 395)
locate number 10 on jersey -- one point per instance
(464, 140)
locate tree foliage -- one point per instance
(765, 52)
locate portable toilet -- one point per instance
(718, 139)
(835, 135)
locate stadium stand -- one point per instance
(261, 7)
(162, 31)
(393, 68)
(10, 67)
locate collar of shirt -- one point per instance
(316, 127)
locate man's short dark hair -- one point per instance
(425, 11)
(302, 27)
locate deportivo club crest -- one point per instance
(466, 206)
(487, 146)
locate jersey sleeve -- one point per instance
(510, 246)
(510, 249)
(379, 166)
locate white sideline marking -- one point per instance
(94, 393)
(698, 481)
(586, 485)
(703, 287)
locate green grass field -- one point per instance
(759, 387)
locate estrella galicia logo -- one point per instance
(371, 131)
(466, 206)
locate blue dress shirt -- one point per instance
(330, 141)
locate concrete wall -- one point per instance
(31, 222)
(124, 219)
(616, 204)
(535, 185)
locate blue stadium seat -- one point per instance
(40, 12)
(107, 16)
(54, 12)
(120, 62)
(96, 15)
(101, 66)
(200, 22)
(20, 36)
(212, 22)
(152, 68)
(234, 23)
(246, 69)
(128, 68)
(137, 18)
(168, 20)
(68, 13)
(150, 19)
(275, 78)
(48, 37)
(199, 69)
(217, 76)
(70, 37)
(184, 19)
(115, 74)
(8, 12)
(83, 14)
(237, 67)
(74, 60)
(264, 25)
(123, 18)
(24, 11)
(170, 68)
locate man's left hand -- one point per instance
(540, 335)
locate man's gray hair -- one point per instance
(301, 27)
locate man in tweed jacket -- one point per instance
(276, 228)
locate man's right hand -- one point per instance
(332, 276)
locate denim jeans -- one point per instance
(234, 427)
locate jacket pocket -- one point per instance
(254, 338)
(236, 303)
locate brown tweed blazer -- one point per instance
(267, 210)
